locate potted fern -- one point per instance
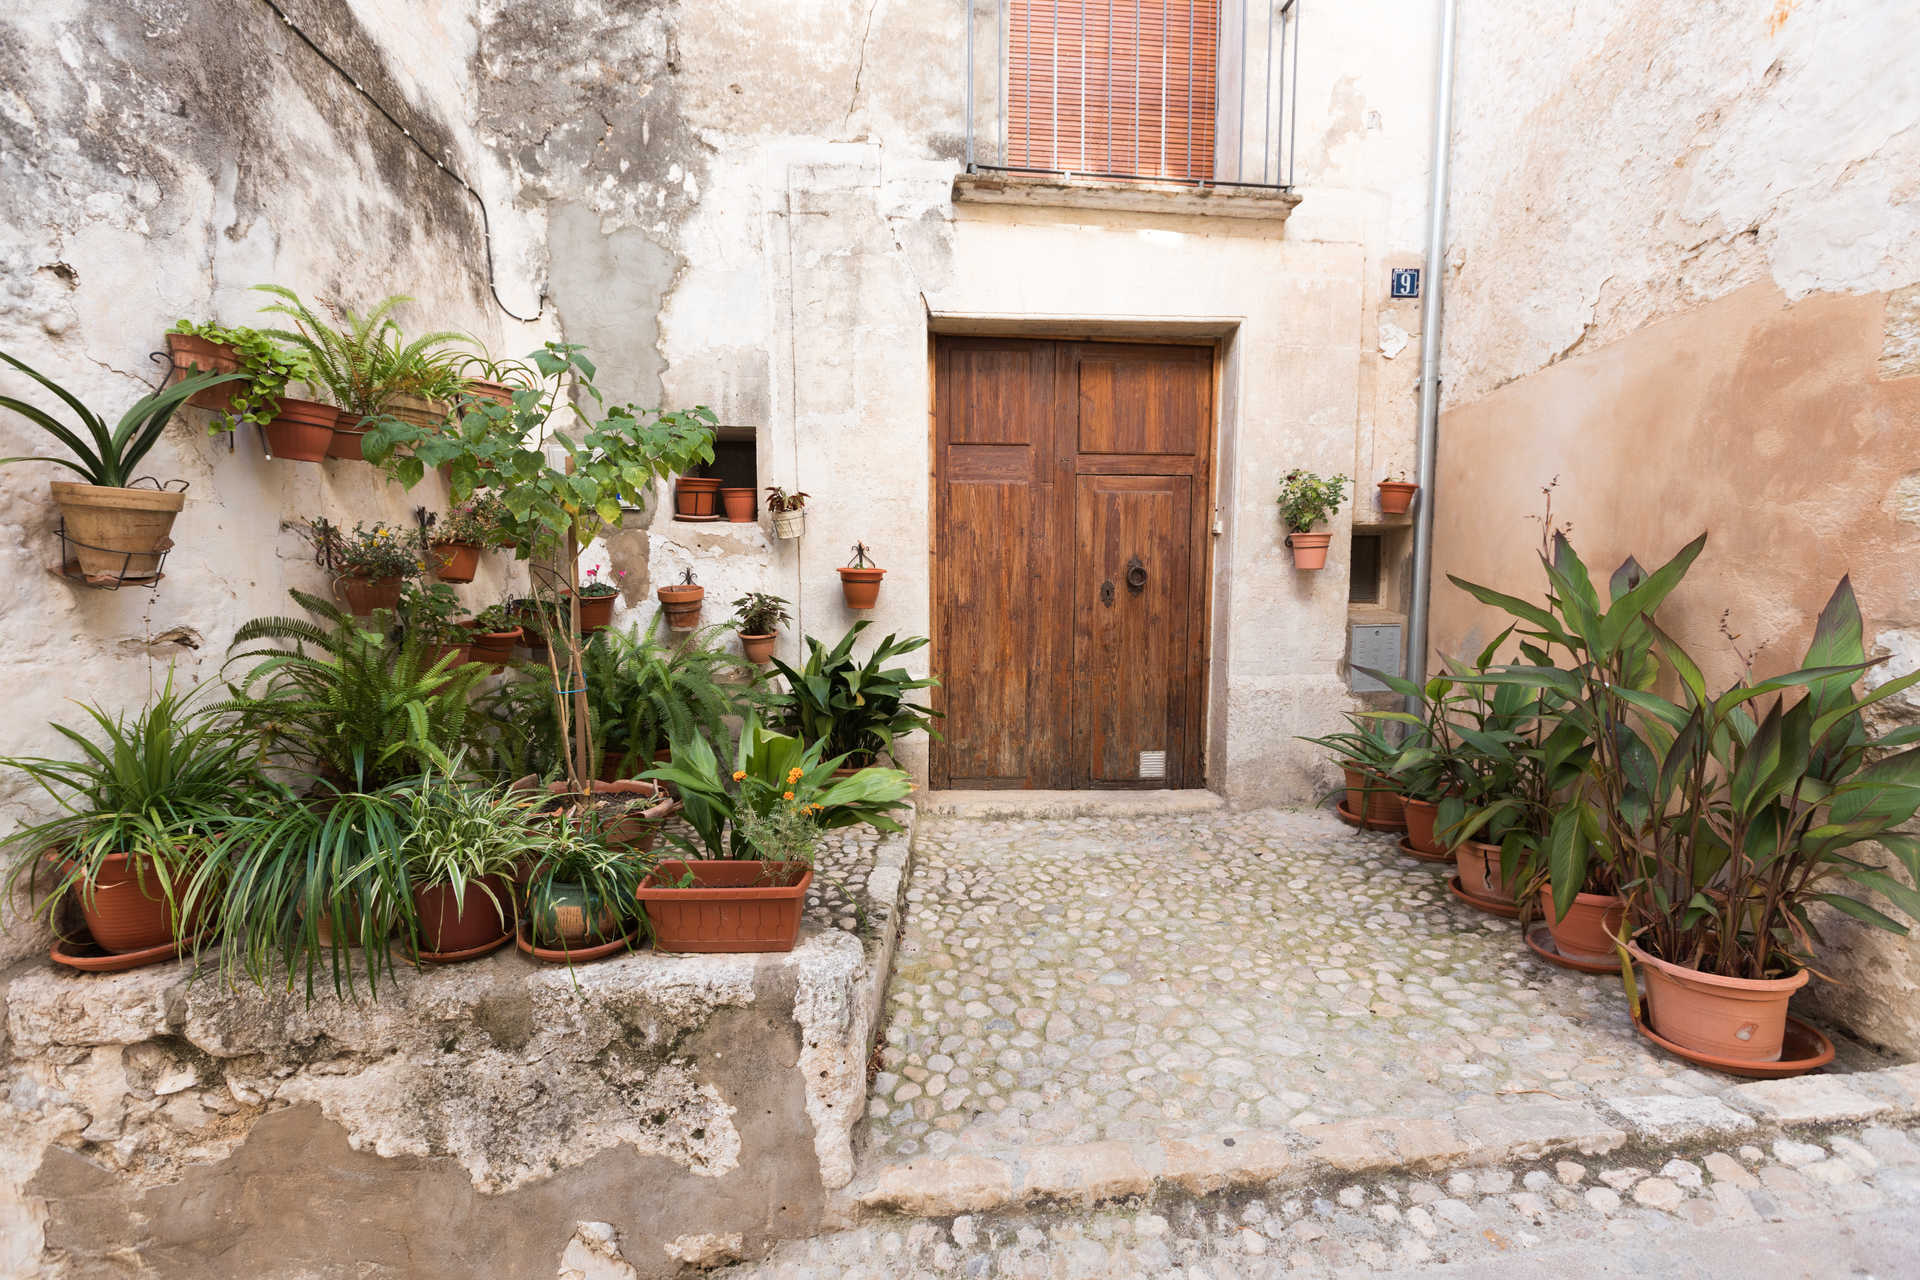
(115, 529)
(1306, 500)
(758, 617)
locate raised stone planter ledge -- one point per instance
(1488, 1134)
(672, 1096)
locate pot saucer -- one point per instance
(1492, 906)
(1804, 1048)
(1369, 824)
(694, 519)
(1540, 942)
(470, 953)
(561, 955)
(83, 953)
(1406, 847)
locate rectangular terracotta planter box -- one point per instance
(732, 906)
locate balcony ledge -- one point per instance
(1067, 192)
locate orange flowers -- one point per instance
(793, 775)
(786, 795)
(739, 775)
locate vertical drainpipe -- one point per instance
(1416, 656)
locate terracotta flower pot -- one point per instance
(347, 435)
(1309, 549)
(790, 524)
(682, 606)
(1586, 931)
(498, 392)
(1396, 496)
(861, 586)
(460, 922)
(758, 648)
(731, 906)
(192, 355)
(739, 504)
(636, 828)
(695, 496)
(126, 910)
(596, 612)
(363, 595)
(1372, 796)
(117, 534)
(302, 431)
(493, 646)
(1742, 1019)
(456, 561)
(1479, 867)
(1421, 815)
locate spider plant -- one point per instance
(161, 785)
(362, 361)
(573, 868)
(116, 452)
(349, 704)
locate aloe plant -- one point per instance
(107, 456)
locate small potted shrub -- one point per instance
(458, 539)
(738, 504)
(856, 707)
(681, 602)
(1306, 500)
(460, 852)
(492, 634)
(758, 617)
(370, 565)
(265, 366)
(1396, 494)
(789, 511)
(694, 498)
(435, 612)
(114, 530)
(1370, 796)
(597, 595)
(758, 830)
(860, 580)
(139, 840)
(580, 895)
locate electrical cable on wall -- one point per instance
(486, 222)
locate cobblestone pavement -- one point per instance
(1076, 980)
(1847, 1199)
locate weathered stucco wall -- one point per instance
(1681, 279)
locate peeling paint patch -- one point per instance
(1900, 349)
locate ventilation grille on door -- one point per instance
(1153, 764)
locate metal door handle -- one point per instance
(1136, 576)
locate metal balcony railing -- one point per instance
(1200, 92)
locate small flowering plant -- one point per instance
(470, 524)
(779, 796)
(372, 553)
(594, 585)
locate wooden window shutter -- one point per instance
(1122, 87)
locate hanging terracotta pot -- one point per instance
(116, 535)
(1737, 1019)
(191, 355)
(1309, 549)
(1586, 932)
(739, 504)
(456, 561)
(1396, 496)
(363, 595)
(499, 393)
(759, 649)
(682, 605)
(694, 497)
(302, 431)
(348, 432)
(861, 587)
(493, 646)
(596, 612)
(789, 524)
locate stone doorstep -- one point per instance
(1068, 804)
(1483, 1134)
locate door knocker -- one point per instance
(1136, 576)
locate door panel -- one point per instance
(1131, 617)
(1139, 399)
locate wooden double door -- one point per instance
(1070, 562)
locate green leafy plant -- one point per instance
(1307, 499)
(779, 499)
(472, 523)
(497, 618)
(853, 707)
(773, 772)
(361, 361)
(107, 457)
(594, 585)
(572, 867)
(348, 704)
(161, 784)
(435, 612)
(266, 366)
(378, 552)
(759, 614)
(459, 836)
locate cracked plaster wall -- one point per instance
(1681, 272)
